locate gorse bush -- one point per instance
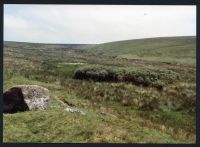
(144, 77)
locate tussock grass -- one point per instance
(128, 126)
(119, 107)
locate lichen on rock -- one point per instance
(24, 98)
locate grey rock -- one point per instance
(24, 98)
(71, 108)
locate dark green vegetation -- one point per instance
(144, 77)
(138, 91)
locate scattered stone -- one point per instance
(108, 114)
(73, 109)
(25, 98)
(70, 107)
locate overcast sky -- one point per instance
(95, 23)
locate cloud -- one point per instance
(95, 23)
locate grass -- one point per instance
(116, 111)
(166, 59)
(151, 49)
(56, 125)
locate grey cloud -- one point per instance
(95, 24)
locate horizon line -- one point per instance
(96, 43)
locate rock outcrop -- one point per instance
(24, 98)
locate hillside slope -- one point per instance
(174, 47)
(116, 111)
(28, 45)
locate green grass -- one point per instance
(116, 111)
(153, 49)
(128, 125)
(167, 59)
(67, 70)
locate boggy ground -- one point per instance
(116, 111)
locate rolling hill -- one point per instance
(27, 45)
(163, 49)
(132, 101)
(166, 48)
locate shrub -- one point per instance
(144, 77)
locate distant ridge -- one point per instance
(44, 45)
(182, 46)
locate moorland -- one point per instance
(132, 91)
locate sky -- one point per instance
(95, 23)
